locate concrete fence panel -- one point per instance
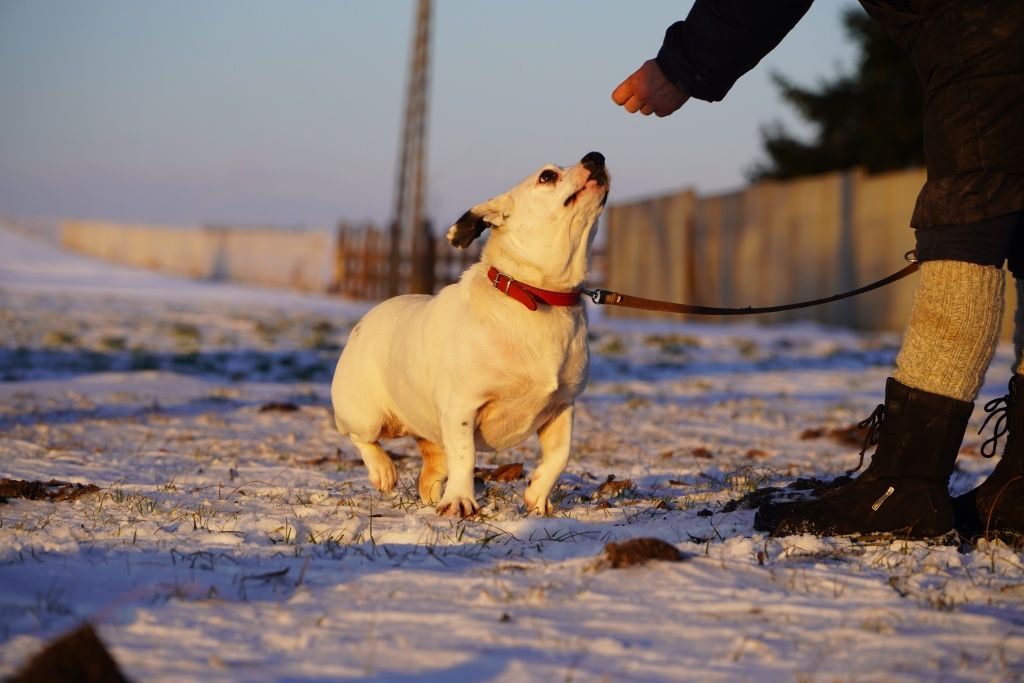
(300, 259)
(182, 251)
(717, 226)
(882, 206)
(773, 243)
(646, 242)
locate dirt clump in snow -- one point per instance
(77, 656)
(851, 435)
(279, 407)
(38, 490)
(611, 488)
(509, 472)
(640, 551)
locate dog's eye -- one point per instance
(547, 176)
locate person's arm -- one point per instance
(703, 56)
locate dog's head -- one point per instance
(545, 223)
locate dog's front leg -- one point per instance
(460, 457)
(555, 441)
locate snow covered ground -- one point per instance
(235, 537)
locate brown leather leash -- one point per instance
(605, 297)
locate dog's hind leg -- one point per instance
(555, 441)
(383, 473)
(433, 473)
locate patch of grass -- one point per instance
(673, 344)
(51, 603)
(143, 359)
(191, 360)
(59, 338)
(270, 330)
(747, 348)
(201, 517)
(745, 480)
(322, 336)
(637, 402)
(613, 347)
(186, 336)
(285, 534)
(112, 342)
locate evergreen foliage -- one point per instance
(871, 116)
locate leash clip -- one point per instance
(596, 295)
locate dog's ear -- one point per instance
(490, 214)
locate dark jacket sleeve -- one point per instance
(721, 40)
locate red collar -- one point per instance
(529, 295)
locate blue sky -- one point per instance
(251, 111)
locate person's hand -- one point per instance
(648, 91)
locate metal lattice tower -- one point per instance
(409, 226)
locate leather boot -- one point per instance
(996, 506)
(905, 489)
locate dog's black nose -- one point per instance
(593, 161)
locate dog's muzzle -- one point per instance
(594, 162)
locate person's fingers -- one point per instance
(633, 104)
(648, 91)
(623, 92)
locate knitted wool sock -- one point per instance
(953, 329)
(1018, 330)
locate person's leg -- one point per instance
(953, 329)
(997, 505)
(1015, 263)
(948, 343)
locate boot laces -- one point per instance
(873, 424)
(998, 408)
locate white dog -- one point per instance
(490, 360)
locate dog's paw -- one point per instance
(430, 488)
(537, 501)
(542, 507)
(457, 506)
(384, 475)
